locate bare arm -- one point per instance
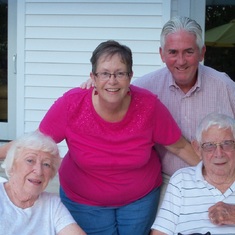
(157, 232)
(72, 229)
(3, 150)
(185, 151)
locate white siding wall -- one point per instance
(194, 9)
(56, 39)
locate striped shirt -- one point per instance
(213, 92)
(186, 202)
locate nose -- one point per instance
(181, 58)
(112, 78)
(37, 169)
(218, 151)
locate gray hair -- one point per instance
(178, 23)
(215, 119)
(35, 141)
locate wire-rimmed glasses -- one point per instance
(226, 145)
(104, 76)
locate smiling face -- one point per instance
(113, 90)
(219, 164)
(182, 56)
(31, 172)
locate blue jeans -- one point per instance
(133, 219)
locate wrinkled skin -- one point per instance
(222, 213)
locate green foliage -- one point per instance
(3, 28)
(220, 58)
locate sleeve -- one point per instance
(54, 122)
(167, 131)
(168, 214)
(62, 216)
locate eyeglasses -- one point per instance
(105, 76)
(227, 145)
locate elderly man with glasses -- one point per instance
(201, 199)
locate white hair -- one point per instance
(35, 141)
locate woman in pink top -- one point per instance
(111, 175)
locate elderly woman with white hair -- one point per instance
(201, 199)
(31, 162)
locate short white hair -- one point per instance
(35, 141)
(215, 119)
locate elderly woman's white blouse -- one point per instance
(47, 216)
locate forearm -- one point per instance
(157, 232)
(72, 229)
(183, 149)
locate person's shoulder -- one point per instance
(49, 197)
(2, 186)
(215, 75)
(184, 173)
(76, 91)
(143, 93)
(2, 179)
(154, 81)
(76, 94)
(153, 75)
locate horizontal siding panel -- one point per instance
(53, 80)
(62, 44)
(95, 1)
(31, 126)
(142, 70)
(92, 21)
(38, 104)
(63, 149)
(57, 57)
(34, 116)
(79, 45)
(146, 59)
(73, 69)
(59, 69)
(80, 57)
(94, 8)
(88, 33)
(44, 92)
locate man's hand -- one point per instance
(87, 84)
(222, 213)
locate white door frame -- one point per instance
(8, 129)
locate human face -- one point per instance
(112, 91)
(31, 172)
(219, 163)
(182, 56)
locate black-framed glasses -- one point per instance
(226, 145)
(118, 75)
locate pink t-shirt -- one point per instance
(109, 164)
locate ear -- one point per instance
(131, 75)
(162, 54)
(197, 148)
(202, 54)
(92, 76)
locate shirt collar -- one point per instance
(198, 174)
